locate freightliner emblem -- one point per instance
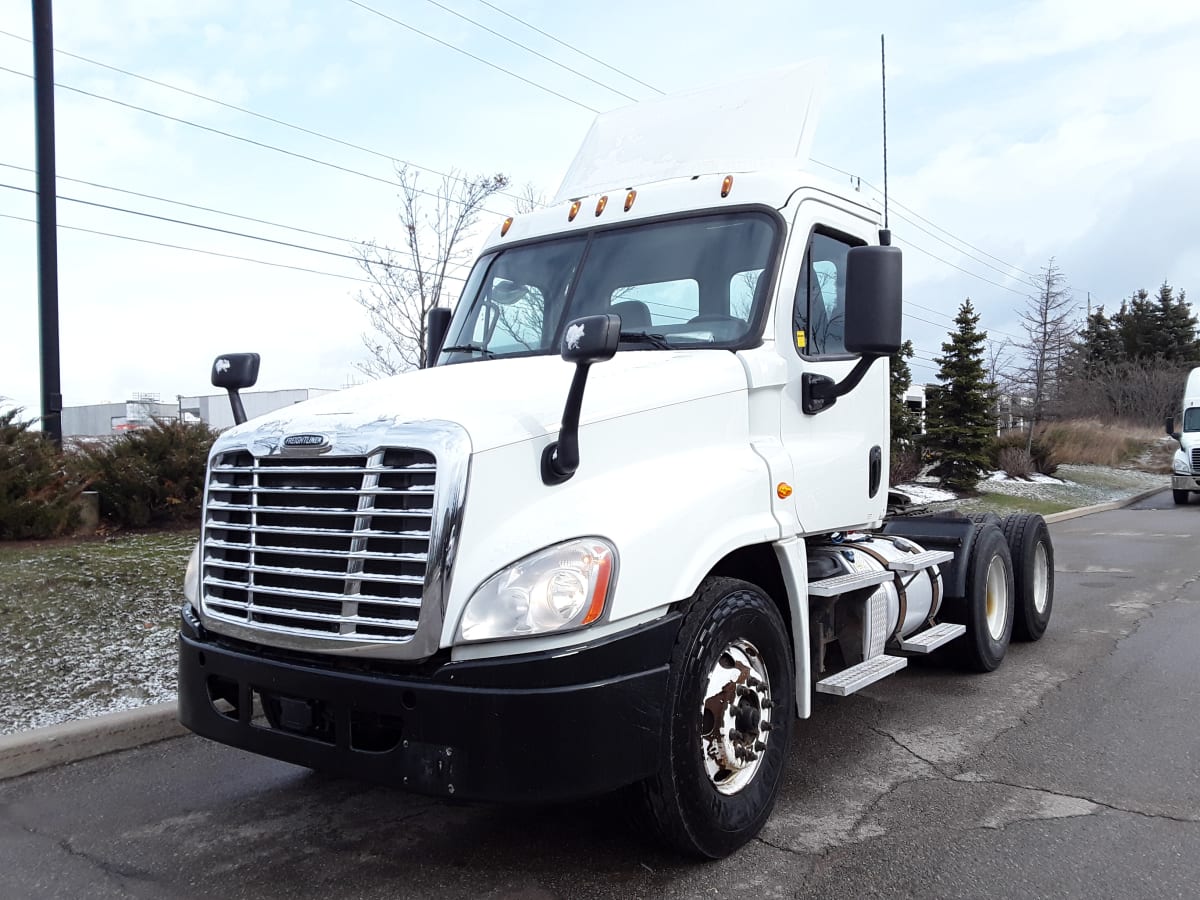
(305, 441)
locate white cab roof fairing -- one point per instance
(763, 122)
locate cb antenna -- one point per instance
(885, 236)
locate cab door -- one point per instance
(839, 455)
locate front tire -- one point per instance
(730, 706)
(1181, 497)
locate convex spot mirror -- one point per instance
(874, 300)
(591, 339)
(234, 371)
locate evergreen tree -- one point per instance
(959, 422)
(1177, 326)
(905, 422)
(1138, 325)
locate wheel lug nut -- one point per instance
(760, 746)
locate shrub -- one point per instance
(905, 464)
(1015, 461)
(151, 476)
(1041, 457)
(1089, 442)
(37, 488)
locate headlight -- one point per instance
(191, 578)
(1180, 465)
(562, 587)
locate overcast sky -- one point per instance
(1062, 128)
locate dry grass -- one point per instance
(1090, 442)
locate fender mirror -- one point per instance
(586, 341)
(234, 371)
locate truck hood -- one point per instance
(505, 401)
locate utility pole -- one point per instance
(43, 89)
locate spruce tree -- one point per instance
(905, 421)
(959, 421)
(1177, 326)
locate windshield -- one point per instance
(1191, 419)
(686, 283)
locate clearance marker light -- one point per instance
(574, 211)
(784, 490)
(726, 185)
(601, 203)
(629, 198)
(507, 225)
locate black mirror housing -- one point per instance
(591, 339)
(874, 300)
(437, 323)
(1170, 426)
(234, 371)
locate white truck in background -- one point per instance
(1185, 467)
(623, 528)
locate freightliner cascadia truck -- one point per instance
(627, 522)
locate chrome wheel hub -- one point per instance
(997, 598)
(736, 717)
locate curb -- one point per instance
(56, 745)
(1081, 511)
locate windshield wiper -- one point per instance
(470, 348)
(645, 337)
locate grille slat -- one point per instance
(1196, 460)
(357, 528)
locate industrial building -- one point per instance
(107, 419)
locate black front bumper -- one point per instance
(534, 727)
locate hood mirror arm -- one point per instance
(586, 341)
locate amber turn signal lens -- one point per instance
(726, 185)
(507, 225)
(784, 490)
(601, 203)
(574, 211)
(629, 198)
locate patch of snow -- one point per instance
(923, 493)
(1039, 478)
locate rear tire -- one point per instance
(1181, 497)
(1033, 574)
(987, 607)
(720, 770)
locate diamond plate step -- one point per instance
(842, 584)
(922, 560)
(856, 678)
(929, 640)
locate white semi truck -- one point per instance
(618, 533)
(1185, 467)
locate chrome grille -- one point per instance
(1196, 460)
(319, 546)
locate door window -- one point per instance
(819, 311)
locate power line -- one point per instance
(516, 43)
(570, 47)
(226, 231)
(246, 140)
(540, 87)
(261, 262)
(219, 212)
(947, 262)
(250, 112)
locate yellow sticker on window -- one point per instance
(801, 341)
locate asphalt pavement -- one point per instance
(1072, 771)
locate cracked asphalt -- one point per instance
(1072, 771)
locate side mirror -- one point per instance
(874, 305)
(589, 340)
(1170, 426)
(874, 300)
(234, 371)
(437, 323)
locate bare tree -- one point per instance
(1047, 322)
(407, 283)
(999, 371)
